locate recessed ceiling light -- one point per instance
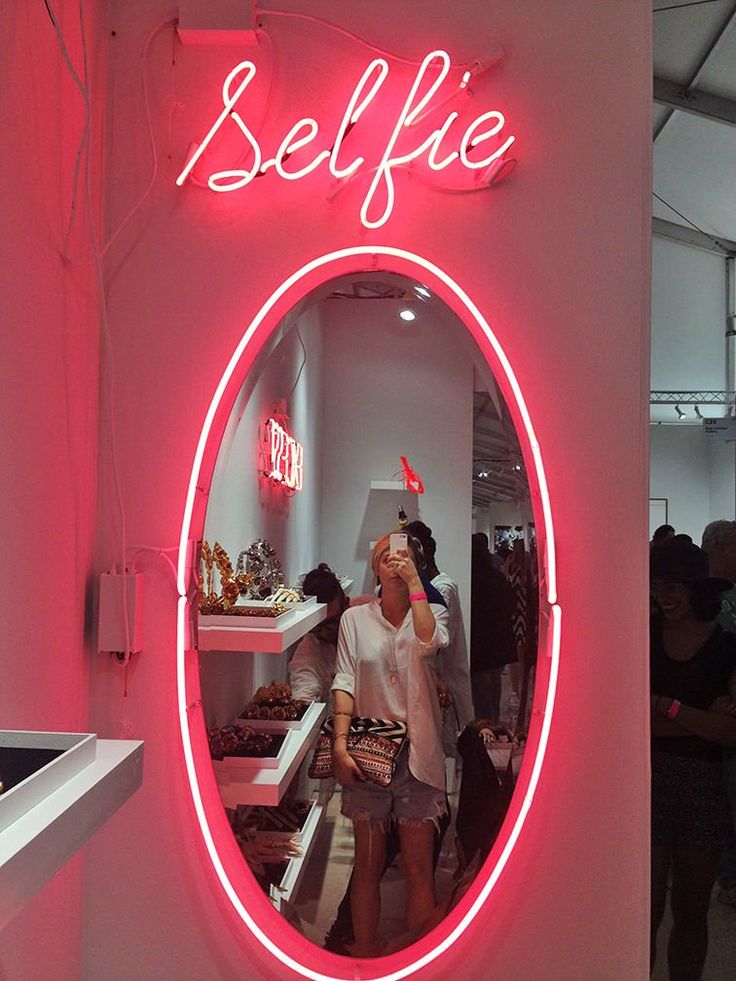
(422, 291)
(407, 315)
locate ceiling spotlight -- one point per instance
(517, 466)
(422, 291)
(698, 413)
(407, 315)
(680, 413)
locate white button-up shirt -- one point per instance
(369, 651)
(312, 669)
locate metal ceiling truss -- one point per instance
(694, 101)
(691, 86)
(690, 236)
(692, 398)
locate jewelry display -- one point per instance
(231, 586)
(275, 701)
(288, 594)
(243, 741)
(261, 562)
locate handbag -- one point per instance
(374, 744)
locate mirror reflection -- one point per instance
(368, 609)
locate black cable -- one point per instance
(49, 12)
(676, 6)
(696, 227)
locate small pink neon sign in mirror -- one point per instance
(285, 456)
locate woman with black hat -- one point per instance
(693, 686)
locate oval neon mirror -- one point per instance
(359, 712)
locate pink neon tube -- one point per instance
(247, 902)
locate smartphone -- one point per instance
(397, 541)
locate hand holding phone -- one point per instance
(397, 541)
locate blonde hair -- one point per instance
(382, 545)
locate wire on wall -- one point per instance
(105, 332)
(475, 64)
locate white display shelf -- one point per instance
(43, 838)
(389, 485)
(292, 877)
(213, 636)
(77, 751)
(261, 785)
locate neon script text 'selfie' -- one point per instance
(379, 199)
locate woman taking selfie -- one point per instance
(385, 669)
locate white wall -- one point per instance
(48, 437)
(570, 308)
(694, 474)
(393, 389)
(688, 323)
(688, 353)
(243, 506)
(502, 514)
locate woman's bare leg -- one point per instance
(417, 850)
(365, 891)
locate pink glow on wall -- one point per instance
(271, 931)
(285, 455)
(379, 200)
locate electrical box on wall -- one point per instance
(115, 592)
(224, 22)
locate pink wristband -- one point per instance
(674, 708)
(415, 597)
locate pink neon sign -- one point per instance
(285, 456)
(378, 202)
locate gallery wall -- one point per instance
(49, 407)
(394, 389)
(185, 281)
(696, 475)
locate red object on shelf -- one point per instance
(411, 478)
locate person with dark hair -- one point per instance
(662, 534)
(492, 640)
(693, 716)
(719, 542)
(453, 660)
(312, 667)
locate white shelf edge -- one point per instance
(260, 785)
(269, 640)
(292, 877)
(36, 845)
(392, 485)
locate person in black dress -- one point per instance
(693, 715)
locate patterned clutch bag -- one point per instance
(374, 744)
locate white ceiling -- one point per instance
(694, 156)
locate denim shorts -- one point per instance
(405, 800)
